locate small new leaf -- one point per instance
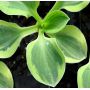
(55, 21)
(73, 44)
(26, 9)
(6, 80)
(45, 61)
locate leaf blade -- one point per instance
(9, 33)
(40, 65)
(18, 8)
(83, 76)
(10, 37)
(55, 21)
(72, 6)
(74, 48)
(6, 80)
(75, 7)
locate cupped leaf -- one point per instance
(55, 21)
(25, 8)
(72, 6)
(83, 76)
(10, 36)
(6, 80)
(73, 44)
(45, 61)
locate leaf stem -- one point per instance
(37, 17)
(28, 30)
(56, 6)
(40, 34)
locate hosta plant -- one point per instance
(57, 43)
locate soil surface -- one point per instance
(17, 63)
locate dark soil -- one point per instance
(17, 63)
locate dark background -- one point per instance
(17, 63)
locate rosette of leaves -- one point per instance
(46, 56)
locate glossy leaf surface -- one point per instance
(55, 21)
(73, 44)
(83, 77)
(6, 80)
(45, 61)
(19, 8)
